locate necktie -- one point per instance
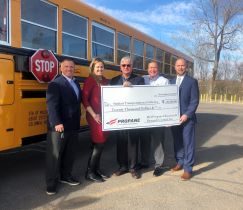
(178, 81)
(75, 88)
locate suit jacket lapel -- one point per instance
(68, 85)
(120, 80)
(183, 81)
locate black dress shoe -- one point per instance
(104, 176)
(94, 177)
(51, 190)
(70, 181)
(158, 171)
(120, 171)
(142, 166)
(135, 174)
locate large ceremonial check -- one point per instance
(139, 107)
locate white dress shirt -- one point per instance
(179, 79)
(72, 83)
(159, 80)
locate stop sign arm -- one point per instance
(44, 65)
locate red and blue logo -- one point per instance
(111, 122)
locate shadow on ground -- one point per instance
(22, 180)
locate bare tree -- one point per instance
(201, 69)
(239, 68)
(216, 26)
(226, 70)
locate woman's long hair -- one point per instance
(98, 79)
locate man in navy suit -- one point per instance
(127, 140)
(63, 106)
(184, 134)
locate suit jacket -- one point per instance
(189, 96)
(63, 106)
(134, 79)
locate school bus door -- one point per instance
(6, 102)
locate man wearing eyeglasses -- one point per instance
(127, 140)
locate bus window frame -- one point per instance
(105, 28)
(86, 39)
(149, 59)
(8, 21)
(124, 51)
(42, 26)
(160, 62)
(173, 61)
(134, 54)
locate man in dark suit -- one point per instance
(127, 140)
(63, 105)
(184, 134)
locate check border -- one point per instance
(122, 106)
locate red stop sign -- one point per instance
(44, 65)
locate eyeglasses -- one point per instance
(126, 65)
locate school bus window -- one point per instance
(103, 42)
(173, 70)
(159, 55)
(149, 54)
(173, 60)
(121, 54)
(167, 58)
(4, 20)
(39, 24)
(124, 46)
(74, 39)
(159, 58)
(161, 67)
(138, 54)
(149, 51)
(167, 69)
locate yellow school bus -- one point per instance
(69, 29)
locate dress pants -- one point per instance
(184, 144)
(152, 139)
(157, 140)
(127, 148)
(145, 146)
(59, 156)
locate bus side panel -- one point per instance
(32, 119)
(7, 111)
(7, 127)
(6, 80)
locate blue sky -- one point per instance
(161, 19)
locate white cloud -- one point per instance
(162, 21)
(170, 14)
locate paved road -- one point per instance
(217, 184)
